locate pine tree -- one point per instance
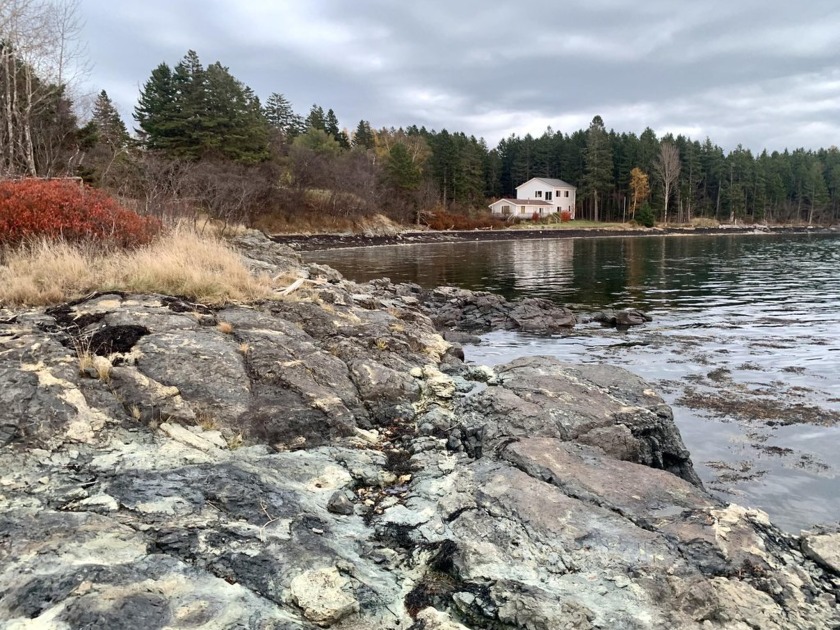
(331, 124)
(316, 118)
(156, 110)
(110, 128)
(190, 112)
(598, 176)
(318, 141)
(332, 128)
(105, 139)
(280, 116)
(233, 124)
(402, 173)
(192, 109)
(363, 136)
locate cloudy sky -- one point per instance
(762, 73)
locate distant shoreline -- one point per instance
(314, 242)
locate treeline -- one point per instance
(204, 142)
(779, 186)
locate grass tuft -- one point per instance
(225, 328)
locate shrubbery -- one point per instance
(65, 209)
(447, 221)
(644, 216)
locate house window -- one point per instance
(505, 211)
(521, 209)
(538, 194)
(548, 195)
(567, 193)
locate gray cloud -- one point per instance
(761, 74)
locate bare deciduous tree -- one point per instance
(667, 169)
(39, 52)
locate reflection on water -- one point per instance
(750, 320)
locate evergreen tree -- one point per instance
(332, 128)
(233, 124)
(316, 118)
(109, 126)
(331, 124)
(363, 136)
(156, 111)
(106, 139)
(280, 116)
(190, 112)
(403, 174)
(598, 176)
(318, 141)
(194, 128)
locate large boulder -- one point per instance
(600, 405)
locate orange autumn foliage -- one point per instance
(64, 209)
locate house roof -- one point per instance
(556, 183)
(523, 202)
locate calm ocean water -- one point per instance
(745, 341)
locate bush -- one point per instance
(644, 216)
(565, 216)
(448, 221)
(66, 209)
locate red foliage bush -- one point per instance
(449, 221)
(56, 208)
(565, 216)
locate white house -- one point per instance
(521, 208)
(539, 195)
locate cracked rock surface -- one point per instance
(327, 460)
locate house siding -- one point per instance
(523, 209)
(539, 189)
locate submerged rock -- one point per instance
(623, 318)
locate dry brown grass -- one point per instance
(225, 327)
(89, 363)
(181, 262)
(703, 222)
(321, 223)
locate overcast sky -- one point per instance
(762, 73)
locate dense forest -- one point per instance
(204, 142)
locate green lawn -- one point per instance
(581, 224)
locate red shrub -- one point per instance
(448, 221)
(59, 208)
(565, 216)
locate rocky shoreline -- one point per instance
(327, 459)
(312, 242)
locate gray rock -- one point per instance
(601, 405)
(824, 549)
(340, 504)
(623, 318)
(347, 492)
(463, 310)
(323, 596)
(204, 365)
